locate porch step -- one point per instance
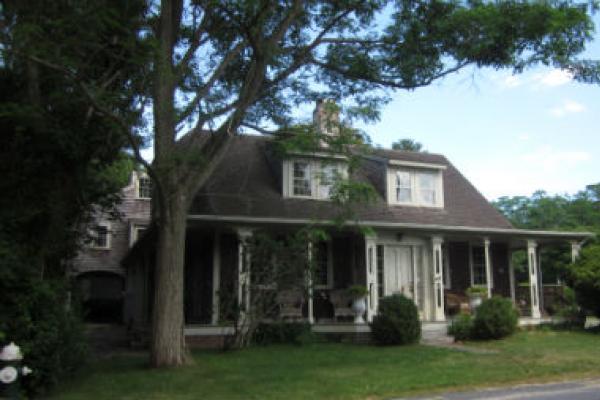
(435, 334)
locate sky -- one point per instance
(510, 135)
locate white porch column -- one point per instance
(533, 278)
(488, 267)
(511, 277)
(309, 282)
(371, 275)
(216, 278)
(438, 281)
(575, 250)
(244, 235)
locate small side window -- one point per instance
(100, 236)
(144, 187)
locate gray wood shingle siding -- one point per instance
(134, 212)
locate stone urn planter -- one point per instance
(476, 295)
(359, 302)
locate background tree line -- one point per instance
(577, 212)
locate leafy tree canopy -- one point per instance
(407, 145)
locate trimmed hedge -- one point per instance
(495, 318)
(397, 322)
(461, 327)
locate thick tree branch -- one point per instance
(258, 128)
(305, 53)
(218, 72)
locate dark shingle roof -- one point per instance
(245, 184)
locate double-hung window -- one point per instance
(100, 236)
(478, 273)
(404, 187)
(314, 179)
(416, 187)
(302, 179)
(427, 183)
(326, 180)
(144, 189)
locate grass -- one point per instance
(342, 371)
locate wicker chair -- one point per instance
(342, 304)
(290, 304)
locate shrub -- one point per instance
(569, 310)
(397, 322)
(36, 316)
(461, 327)
(584, 277)
(495, 318)
(281, 333)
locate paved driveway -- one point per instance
(576, 390)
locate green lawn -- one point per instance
(340, 371)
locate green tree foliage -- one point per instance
(61, 160)
(562, 212)
(584, 277)
(227, 66)
(407, 145)
(542, 211)
(578, 212)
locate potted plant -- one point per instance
(476, 295)
(359, 306)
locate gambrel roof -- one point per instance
(246, 184)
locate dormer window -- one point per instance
(403, 187)
(415, 186)
(314, 179)
(302, 179)
(329, 173)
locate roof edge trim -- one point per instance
(380, 224)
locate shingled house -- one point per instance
(434, 235)
(97, 268)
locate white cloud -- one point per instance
(524, 137)
(552, 78)
(549, 159)
(549, 79)
(567, 107)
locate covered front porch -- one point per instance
(434, 266)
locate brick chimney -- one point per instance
(326, 117)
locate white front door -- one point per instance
(398, 271)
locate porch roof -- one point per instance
(492, 232)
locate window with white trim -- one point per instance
(327, 178)
(314, 179)
(478, 272)
(403, 187)
(144, 187)
(415, 187)
(302, 179)
(100, 236)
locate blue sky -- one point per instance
(509, 135)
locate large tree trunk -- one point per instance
(168, 341)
